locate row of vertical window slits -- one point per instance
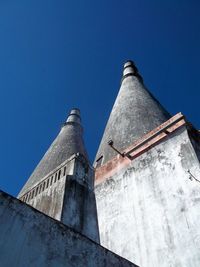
(44, 185)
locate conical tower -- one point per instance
(62, 184)
(147, 195)
(135, 112)
(68, 142)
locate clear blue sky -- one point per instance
(58, 54)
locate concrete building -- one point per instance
(54, 221)
(31, 238)
(62, 185)
(148, 180)
(140, 201)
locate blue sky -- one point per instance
(58, 54)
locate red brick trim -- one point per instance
(139, 147)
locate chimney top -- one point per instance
(74, 116)
(130, 69)
(128, 63)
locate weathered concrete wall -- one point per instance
(50, 201)
(79, 209)
(30, 238)
(67, 194)
(149, 211)
(83, 172)
(47, 196)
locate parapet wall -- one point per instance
(30, 238)
(67, 194)
(148, 206)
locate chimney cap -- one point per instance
(129, 63)
(74, 116)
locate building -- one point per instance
(148, 180)
(140, 201)
(54, 221)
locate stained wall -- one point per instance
(67, 194)
(148, 212)
(30, 238)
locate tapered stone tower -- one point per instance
(54, 221)
(147, 180)
(134, 113)
(62, 184)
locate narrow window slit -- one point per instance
(64, 171)
(59, 173)
(55, 178)
(51, 180)
(43, 186)
(47, 183)
(99, 161)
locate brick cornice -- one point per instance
(139, 147)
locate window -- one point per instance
(32, 194)
(47, 183)
(99, 161)
(59, 173)
(43, 186)
(55, 178)
(64, 171)
(40, 189)
(36, 191)
(51, 180)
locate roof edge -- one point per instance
(139, 147)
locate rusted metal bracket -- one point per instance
(111, 144)
(192, 176)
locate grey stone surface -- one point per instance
(79, 209)
(68, 142)
(67, 194)
(62, 186)
(30, 238)
(148, 212)
(134, 113)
